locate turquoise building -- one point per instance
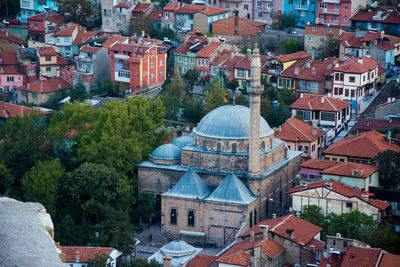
(305, 10)
(32, 7)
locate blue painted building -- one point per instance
(387, 20)
(32, 7)
(305, 10)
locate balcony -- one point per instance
(265, 9)
(331, 1)
(122, 76)
(119, 56)
(83, 71)
(330, 11)
(302, 8)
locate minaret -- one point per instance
(255, 90)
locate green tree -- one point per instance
(54, 100)
(389, 167)
(287, 96)
(24, 143)
(242, 100)
(215, 97)
(6, 179)
(283, 22)
(106, 86)
(70, 233)
(124, 134)
(233, 84)
(266, 107)
(173, 95)
(330, 48)
(75, 10)
(192, 77)
(292, 46)
(312, 214)
(144, 208)
(78, 92)
(143, 23)
(270, 45)
(192, 109)
(166, 33)
(274, 116)
(9, 8)
(394, 89)
(383, 236)
(40, 183)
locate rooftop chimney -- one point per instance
(322, 99)
(77, 256)
(59, 85)
(236, 19)
(167, 261)
(252, 235)
(296, 71)
(290, 234)
(360, 60)
(314, 132)
(264, 229)
(301, 95)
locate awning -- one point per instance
(310, 171)
(192, 233)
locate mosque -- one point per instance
(229, 174)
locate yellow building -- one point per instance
(50, 62)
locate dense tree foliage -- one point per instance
(78, 92)
(75, 10)
(6, 179)
(284, 22)
(287, 96)
(215, 97)
(394, 89)
(330, 48)
(192, 78)
(389, 168)
(292, 46)
(10, 8)
(106, 87)
(143, 23)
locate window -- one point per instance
(353, 93)
(327, 158)
(314, 29)
(218, 146)
(333, 242)
(151, 65)
(105, 13)
(290, 2)
(259, 14)
(346, 7)
(153, 53)
(349, 205)
(352, 79)
(306, 115)
(173, 216)
(346, 92)
(48, 68)
(311, 38)
(234, 148)
(335, 18)
(262, 146)
(10, 79)
(191, 218)
(255, 216)
(191, 60)
(259, 3)
(327, 116)
(246, 6)
(344, 243)
(48, 58)
(180, 59)
(161, 62)
(251, 219)
(240, 73)
(345, 18)
(336, 6)
(329, 30)
(152, 76)
(341, 160)
(322, 39)
(161, 74)
(226, 5)
(34, 95)
(334, 159)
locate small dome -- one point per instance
(177, 248)
(166, 152)
(182, 141)
(230, 122)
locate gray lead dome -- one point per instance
(230, 122)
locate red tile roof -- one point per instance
(230, 63)
(89, 49)
(126, 4)
(374, 124)
(8, 58)
(318, 244)
(293, 56)
(365, 15)
(271, 248)
(9, 69)
(210, 11)
(315, 72)
(8, 110)
(156, 14)
(366, 145)
(381, 70)
(245, 26)
(360, 257)
(346, 169)
(240, 258)
(341, 189)
(334, 260)
(11, 38)
(224, 55)
(47, 51)
(207, 50)
(114, 39)
(70, 28)
(171, 6)
(303, 232)
(319, 102)
(85, 253)
(296, 130)
(51, 16)
(322, 30)
(142, 7)
(193, 38)
(47, 86)
(202, 260)
(349, 39)
(389, 260)
(319, 164)
(245, 61)
(386, 103)
(354, 66)
(189, 9)
(384, 45)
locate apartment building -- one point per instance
(316, 35)
(32, 7)
(338, 12)
(304, 10)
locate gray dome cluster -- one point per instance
(166, 152)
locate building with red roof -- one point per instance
(50, 62)
(11, 75)
(83, 255)
(142, 9)
(242, 69)
(39, 92)
(361, 148)
(207, 54)
(41, 23)
(116, 16)
(301, 136)
(9, 42)
(316, 35)
(10, 110)
(202, 260)
(338, 12)
(236, 25)
(379, 19)
(327, 113)
(332, 196)
(202, 20)
(295, 239)
(168, 18)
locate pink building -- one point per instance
(10, 74)
(338, 12)
(264, 10)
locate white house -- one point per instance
(332, 196)
(80, 256)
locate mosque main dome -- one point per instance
(230, 122)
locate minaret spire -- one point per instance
(255, 90)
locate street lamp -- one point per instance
(281, 203)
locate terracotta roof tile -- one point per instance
(89, 49)
(244, 62)
(315, 72)
(318, 244)
(8, 58)
(354, 66)
(319, 164)
(360, 257)
(271, 248)
(156, 14)
(171, 6)
(47, 51)
(47, 86)
(349, 39)
(142, 7)
(85, 253)
(70, 28)
(322, 30)
(51, 16)
(365, 124)
(202, 260)
(346, 169)
(245, 26)
(210, 11)
(385, 45)
(293, 56)
(240, 258)
(224, 55)
(114, 39)
(230, 63)
(365, 15)
(341, 189)
(356, 146)
(296, 130)
(303, 232)
(11, 38)
(206, 51)
(389, 260)
(126, 4)
(9, 69)
(8, 110)
(189, 9)
(314, 102)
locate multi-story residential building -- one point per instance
(142, 9)
(185, 55)
(379, 19)
(327, 113)
(40, 92)
(243, 8)
(203, 19)
(207, 54)
(360, 149)
(31, 7)
(236, 25)
(242, 70)
(138, 66)
(316, 35)
(92, 65)
(11, 75)
(218, 61)
(29, 61)
(39, 24)
(352, 45)
(332, 196)
(338, 12)
(184, 17)
(383, 52)
(354, 80)
(116, 15)
(9, 42)
(277, 64)
(304, 10)
(263, 11)
(50, 62)
(168, 18)
(228, 66)
(301, 136)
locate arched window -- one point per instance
(262, 146)
(234, 147)
(218, 146)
